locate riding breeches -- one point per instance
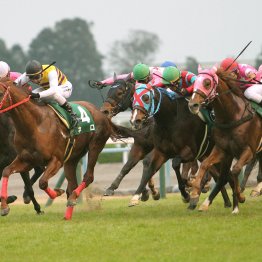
(58, 93)
(254, 93)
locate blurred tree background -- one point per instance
(72, 45)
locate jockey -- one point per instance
(247, 73)
(53, 85)
(176, 80)
(5, 71)
(168, 63)
(142, 73)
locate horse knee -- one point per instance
(43, 184)
(146, 162)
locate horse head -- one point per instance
(204, 89)
(118, 97)
(145, 105)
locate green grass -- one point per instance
(154, 231)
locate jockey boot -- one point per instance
(74, 117)
(260, 103)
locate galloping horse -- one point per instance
(176, 133)
(8, 154)
(237, 130)
(118, 100)
(42, 139)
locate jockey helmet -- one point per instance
(229, 64)
(33, 69)
(170, 75)
(168, 63)
(141, 72)
(4, 69)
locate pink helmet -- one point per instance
(4, 69)
(229, 64)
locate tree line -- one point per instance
(72, 45)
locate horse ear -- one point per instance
(115, 77)
(199, 69)
(214, 68)
(128, 77)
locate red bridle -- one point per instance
(7, 95)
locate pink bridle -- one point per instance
(209, 94)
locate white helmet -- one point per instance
(4, 69)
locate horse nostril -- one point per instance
(195, 105)
(106, 112)
(137, 122)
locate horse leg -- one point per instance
(176, 163)
(152, 163)
(38, 172)
(215, 157)
(154, 191)
(29, 189)
(70, 174)
(247, 173)
(95, 147)
(221, 180)
(16, 166)
(52, 168)
(136, 154)
(245, 157)
(257, 191)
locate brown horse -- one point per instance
(119, 99)
(8, 154)
(42, 139)
(237, 131)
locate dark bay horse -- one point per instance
(8, 154)
(237, 131)
(42, 139)
(176, 133)
(119, 99)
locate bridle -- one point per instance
(6, 95)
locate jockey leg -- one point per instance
(74, 117)
(254, 93)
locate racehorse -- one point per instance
(237, 130)
(176, 133)
(118, 100)
(42, 139)
(7, 155)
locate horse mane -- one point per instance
(231, 82)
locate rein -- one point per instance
(7, 94)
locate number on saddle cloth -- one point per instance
(86, 123)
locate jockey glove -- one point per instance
(34, 95)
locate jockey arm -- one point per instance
(110, 80)
(53, 83)
(21, 80)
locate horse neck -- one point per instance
(227, 106)
(25, 115)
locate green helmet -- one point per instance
(33, 68)
(170, 74)
(141, 71)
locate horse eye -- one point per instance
(145, 99)
(207, 83)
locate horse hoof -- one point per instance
(109, 192)
(134, 201)
(27, 199)
(235, 211)
(40, 213)
(193, 203)
(227, 205)
(203, 208)
(241, 199)
(11, 199)
(59, 191)
(255, 193)
(71, 203)
(145, 196)
(5, 211)
(186, 199)
(156, 196)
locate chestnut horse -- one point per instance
(119, 99)
(42, 139)
(176, 133)
(8, 154)
(237, 130)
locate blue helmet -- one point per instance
(168, 63)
